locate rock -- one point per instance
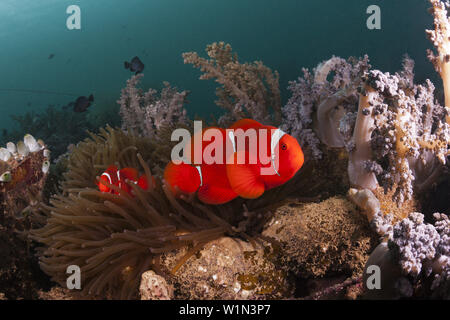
(390, 273)
(154, 287)
(321, 239)
(229, 268)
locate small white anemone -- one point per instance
(46, 153)
(45, 166)
(41, 143)
(366, 200)
(22, 148)
(31, 143)
(4, 154)
(5, 176)
(11, 147)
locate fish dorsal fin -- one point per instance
(245, 124)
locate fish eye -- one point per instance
(283, 146)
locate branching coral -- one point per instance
(153, 117)
(248, 90)
(146, 113)
(320, 100)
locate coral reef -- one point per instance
(248, 90)
(394, 131)
(412, 252)
(415, 259)
(322, 239)
(404, 142)
(381, 134)
(20, 276)
(23, 172)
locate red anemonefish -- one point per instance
(220, 183)
(116, 177)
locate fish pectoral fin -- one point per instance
(245, 179)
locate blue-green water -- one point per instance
(285, 34)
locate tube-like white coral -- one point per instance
(321, 100)
(440, 37)
(358, 172)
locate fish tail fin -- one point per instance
(126, 64)
(182, 178)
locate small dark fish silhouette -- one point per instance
(82, 103)
(135, 65)
(51, 56)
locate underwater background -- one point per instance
(39, 53)
(87, 177)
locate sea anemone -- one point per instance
(114, 238)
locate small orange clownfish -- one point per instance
(116, 177)
(221, 183)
